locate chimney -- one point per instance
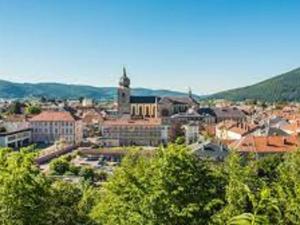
(268, 143)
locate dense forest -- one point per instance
(170, 187)
(12, 90)
(284, 87)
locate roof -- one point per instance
(130, 122)
(223, 112)
(190, 113)
(268, 144)
(14, 132)
(144, 99)
(291, 128)
(239, 128)
(16, 118)
(274, 131)
(178, 100)
(49, 116)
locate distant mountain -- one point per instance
(10, 90)
(284, 87)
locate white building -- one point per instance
(15, 138)
(87, 102)
(127, 132)
(231, 130)
(51, 126)
(191, 131)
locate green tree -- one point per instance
(70, 204)
(172, 187)
(87, 173)
(23, 189)
(59, 166)
(32, 109)
(15, 108)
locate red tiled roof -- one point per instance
(269, 144)
(239, 128)
(49, 116)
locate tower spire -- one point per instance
(124, 72)
(124, 80)
(190, 92)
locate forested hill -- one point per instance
(10, 90)
(284, 87)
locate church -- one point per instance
(143, 107)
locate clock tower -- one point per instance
(124, 95)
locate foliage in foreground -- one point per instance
(170, 187)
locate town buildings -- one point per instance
(16, 138)
(51, 126)
(124, 132)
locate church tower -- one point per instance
(124, 95)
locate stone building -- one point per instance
(127, 132)
(139, 107)
(51, 126)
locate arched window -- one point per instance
(133, 110)
(140, 110)
(154, 111)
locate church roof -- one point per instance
(144, 99)
(178, 100)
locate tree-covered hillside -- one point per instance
(284, 87)
(66, 91)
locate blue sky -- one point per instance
(209, 45)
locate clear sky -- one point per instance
(210, 45)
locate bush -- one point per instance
(59, 166)
(74, 169)
(180, 140)
(87, 173)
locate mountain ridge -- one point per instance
(14, 90)
(282, 87)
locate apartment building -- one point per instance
(51, 126)
(126, 132)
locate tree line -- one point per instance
(172, 186)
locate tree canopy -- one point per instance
(170, 186)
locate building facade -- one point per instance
(139, 107)
(16, 139)
(50, 126)
(134, 133)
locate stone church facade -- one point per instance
(142, 107)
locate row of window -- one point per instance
(56, 130)
(61, 123)
(139, 112)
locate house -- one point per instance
(222, 114)
(128, 132)
(51, 126)
(231, 130)
(191, 131)
(266, 144)
(213, 151)
(92, 121)
(15, 138)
